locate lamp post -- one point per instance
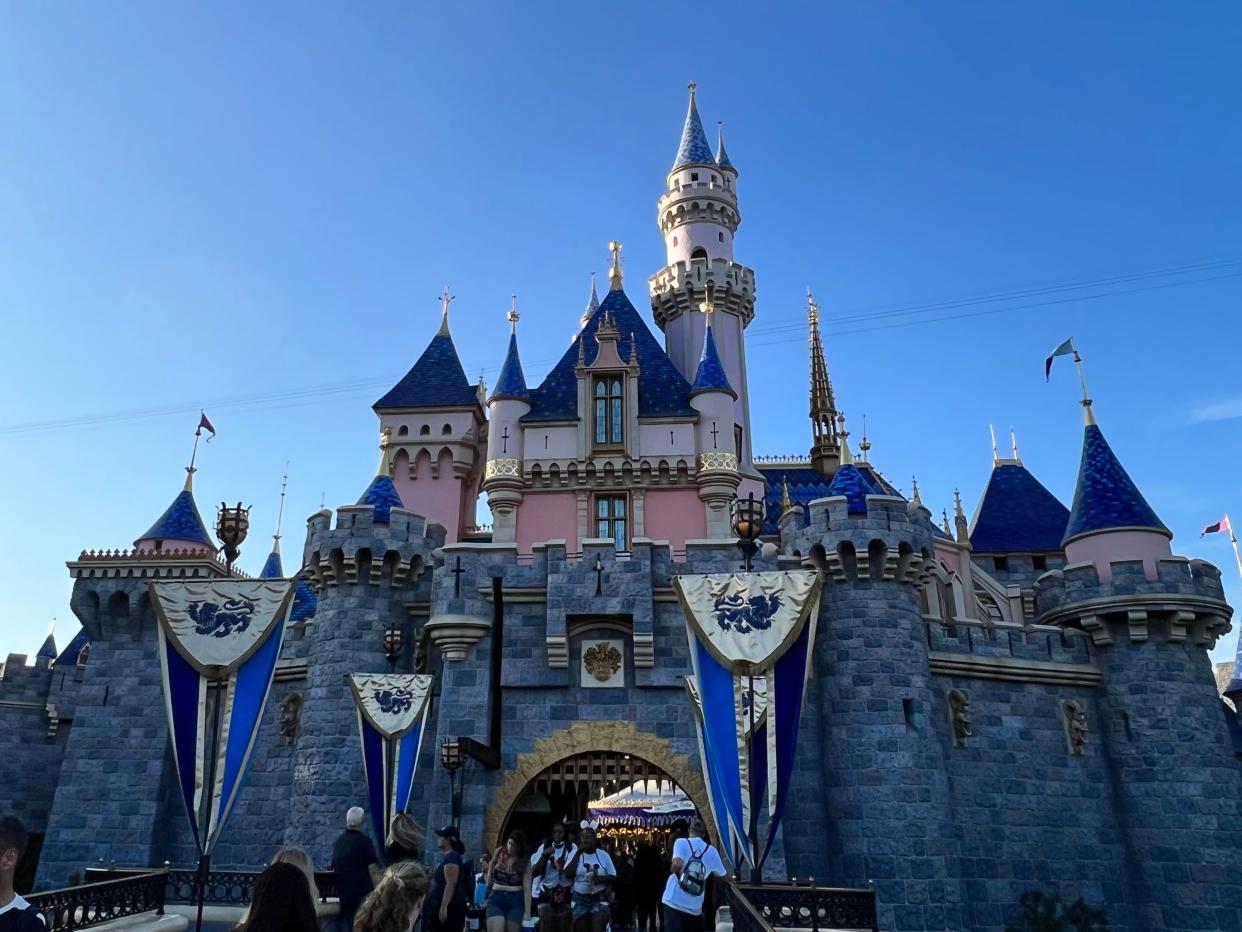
(231, 527)
(451, 760)
(392, 646)
(747, 515)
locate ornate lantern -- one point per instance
(231, 527)
(392, 644)
(748, 516)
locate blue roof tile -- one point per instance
(662, 390)
(807, 484)
(850, 481)
(722, 156)
(512, 381)
(1017, 514)
(383, 495)
(272, 568)
(710, 375)
(1106, 497)
(694, 148)
(181, 521)
(69, 655)
(437, 380)
(1234, 724)
(305, 602)
(48, 649)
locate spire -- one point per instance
(1013, 444)
(447, 299)
(180, 524)
(694, 148)
(272, 568)
(512, 381)
(710, 375)
(1106, 498)
(865, 447)
(614, 270)
(826, 446)
(592, 304)
(959, 518)
(995, 452)
(48, 650)
(844, 437)
(849, 480)
(786, 501)
(944, 523)
(916, 499)
(722, 157)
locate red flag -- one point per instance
(1221, 525)
(204, 424)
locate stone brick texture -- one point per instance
(1145, 822)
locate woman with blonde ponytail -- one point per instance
(394, 904)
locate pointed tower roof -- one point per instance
(850, 480)
(180, 521)
(48, 649)
(512, 381)
(592, 303)
(1017, 514)
(383, 495)
(710, 375)
(70, 654)
(722, 157)
(437, 379)
(1106, 498)
(826, 446)
(272, 568)
(694, 149)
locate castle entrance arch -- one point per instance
(565, 770)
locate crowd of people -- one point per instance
(573, 881)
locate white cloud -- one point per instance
(1225, 410)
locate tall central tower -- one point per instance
(698, 217)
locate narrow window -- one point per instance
(737, 441)
(713, 179)
(403, 430)
(720, 237)
(610, 520)
(1000, 564)
(1039, 562)
(674, 240)
(698, 253)
(694, 176)
(609, 412)
(425, 430)
(446, 429)
(907, 710)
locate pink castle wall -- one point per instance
(1115, 546)
(674, 515)
(547, 516)
(438, 499)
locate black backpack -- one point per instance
(693, 876)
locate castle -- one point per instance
(1022, 701)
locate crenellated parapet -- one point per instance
(1184, 603)
(358, 549)
(678, 289)
(892, 541)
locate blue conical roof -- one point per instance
(48, 649)
(694, 148)
(272, 568)
(383, 495)
(512, 381)
(850, 482)
(437, 379)
(1106, 498)
(70, 654)
(722, 156)
(710, 375)
(1017, 514)
(181, 521)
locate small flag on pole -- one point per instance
(1218, 527)
(1065, 349)
(204, 424)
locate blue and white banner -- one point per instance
(392, 719)
(750, 646)
(226, 632)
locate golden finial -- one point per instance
(446, 298)
(614, 272)
(513, 316)
(692, 86)
(708, 304)
(786, 501)
(385, 439)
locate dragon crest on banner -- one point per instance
(391, 702)
(221, 621)
(742, 612)
(394, 701)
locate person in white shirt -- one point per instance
(593, 875)
(694, 862)
(554, 885)
(16, 914)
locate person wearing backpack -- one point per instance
(694, 861)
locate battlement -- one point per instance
(1186, 599)
(22, 685)
(678, 288)
(356, 549)
(154, 564)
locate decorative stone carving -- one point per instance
(456, 634)
(720, 461)
(503, 469)
(959, 717)
(603, 663)
(1074, 716)
(290, 717)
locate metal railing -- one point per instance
(224, 887)
(92, 904)
(764, 907)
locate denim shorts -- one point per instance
(511, 904)
(589, 905)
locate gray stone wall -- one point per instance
(30, 756)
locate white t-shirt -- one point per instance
(551, 876)
(685, 848)
(582, 879)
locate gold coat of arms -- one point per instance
(602, 661)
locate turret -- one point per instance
(825, 445)
(510, 400)
(435, 420)
(698, 217)
(711, 395)
(180, 527)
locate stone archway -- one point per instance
(620, 737)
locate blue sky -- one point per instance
(252, 208)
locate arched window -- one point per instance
(403, 430)
(425, 430)
(720, 237)
(609, 411)
(446, 429)
(698, 253)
